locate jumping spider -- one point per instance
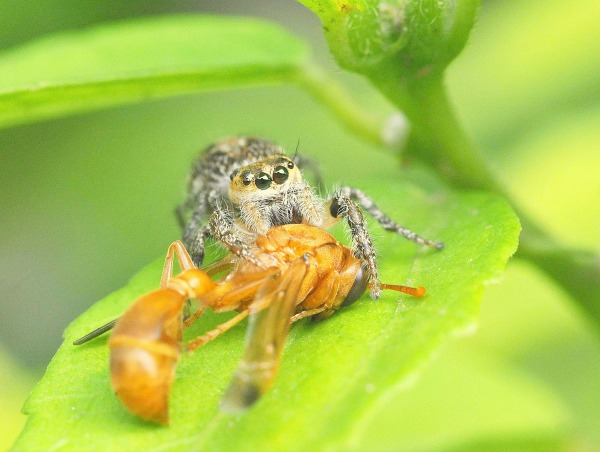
(241, 187)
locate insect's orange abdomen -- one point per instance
(144, 350)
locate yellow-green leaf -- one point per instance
(332, 372)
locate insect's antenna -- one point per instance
(414, 291)
(97, 332)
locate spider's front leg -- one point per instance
(345, 202)
(223, 229)
(340, 206)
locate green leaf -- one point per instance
(332, 373)
(139, 60)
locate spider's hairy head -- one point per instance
(264, 179)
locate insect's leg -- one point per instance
(308, 313)
(386, 222)
(176, 249)
(212, 334)
(239, 289)
(193, 317)
(230, 293)
(222, 265)
(223, 229)
(341, 205)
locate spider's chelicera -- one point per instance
(241, 187)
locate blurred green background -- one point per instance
(88, 200)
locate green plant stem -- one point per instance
(437, 138)
(329, 92)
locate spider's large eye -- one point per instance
(280, 175)
(247, 178)
(262, 181)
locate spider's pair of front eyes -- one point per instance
(263, 180)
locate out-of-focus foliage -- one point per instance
(142, 60)
(527, 88)
(15, 383)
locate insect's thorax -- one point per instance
(326, 256)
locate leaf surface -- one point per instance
(333, 373)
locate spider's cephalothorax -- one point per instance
(272, 192)
(241, 187)
(208, 182)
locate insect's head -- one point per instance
(359, 286)
(263, 179)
